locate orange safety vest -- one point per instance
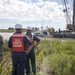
(17, 43)
(31, 39)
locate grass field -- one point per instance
(53, 57)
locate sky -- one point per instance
(34, 13)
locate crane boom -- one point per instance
(67, 14)
(73, 15)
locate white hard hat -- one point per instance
(18, 26)
(29, 28)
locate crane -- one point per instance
(74, 15)
(67, 15)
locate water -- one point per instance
(6, 36)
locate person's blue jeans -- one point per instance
(18, 62)
(31, 56)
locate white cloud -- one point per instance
(25, 10)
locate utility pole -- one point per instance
(43, 18)
(74, 14)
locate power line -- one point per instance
(43, 14)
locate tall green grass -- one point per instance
(56, 57)
(53, 57)
(6, 65)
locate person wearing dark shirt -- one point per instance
(17, 42)
(35, 41)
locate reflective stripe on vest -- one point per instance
(31, 40)
(17, 43)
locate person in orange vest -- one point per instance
(17, 43)
(31, 55)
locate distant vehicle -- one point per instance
(40, 33)
(37, 34)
